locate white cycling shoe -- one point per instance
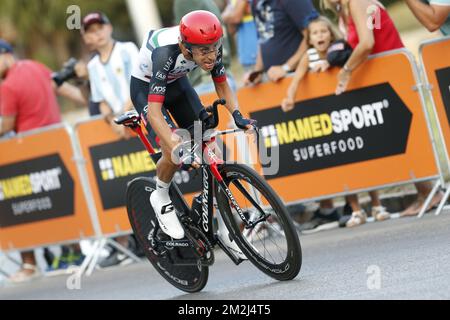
(167, 217)
(224, 237)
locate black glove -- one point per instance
(241, 122)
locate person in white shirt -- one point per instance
(110, 76)
(110, 69)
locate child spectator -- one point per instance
(353, 17)
(320, 35)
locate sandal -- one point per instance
(380, 213)
(413, 209)
(358, 218)
(24, 275)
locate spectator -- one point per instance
(110, 75)
(320, 33)
(353, 16)
(110, 69)
(433, 14)
(238, 17)
(27, 102)
(201, 80)
(281, 25)
(320, 36)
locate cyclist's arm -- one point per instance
(223, 89)
(224, 92)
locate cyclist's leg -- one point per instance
(185, 110)
(139, 96)
(165, 169)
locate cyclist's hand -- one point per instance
(243, 123)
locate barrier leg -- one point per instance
(4, 273)
(90, 262)
(95, 257)
(124, 250)
(89, 257)
(444, 200)
(17, 262)
(428, 200)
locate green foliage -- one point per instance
(41, 28)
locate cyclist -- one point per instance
(159, 83)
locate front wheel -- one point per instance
(271, 243)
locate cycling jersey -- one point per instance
(161, 63)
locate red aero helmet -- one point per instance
(200, 28)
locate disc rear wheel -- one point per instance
(189, 278)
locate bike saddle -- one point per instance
(128, 119)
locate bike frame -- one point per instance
(210, 176)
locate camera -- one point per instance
(66, 73)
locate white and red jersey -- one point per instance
(161, 62)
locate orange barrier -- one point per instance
(111, 163)
(436, 68)
(41, 197)
(372, 136)
(434, 55)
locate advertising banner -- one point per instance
(41, 197)
(374, 134)
(434, 57)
